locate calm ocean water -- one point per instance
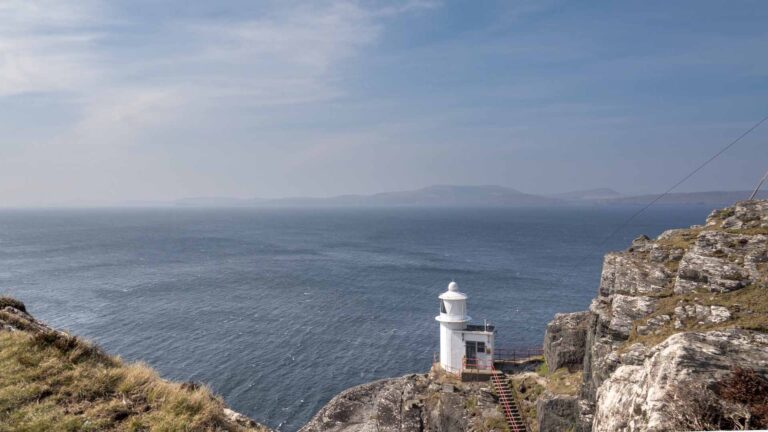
(279, 310)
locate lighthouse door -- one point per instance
(471, 352)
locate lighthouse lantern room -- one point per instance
(462, 345)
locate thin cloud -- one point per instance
(46, 46)
(104, 70)
(290, 57)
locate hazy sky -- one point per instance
(154, 100)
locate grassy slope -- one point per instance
(52, 381)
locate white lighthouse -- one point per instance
(462, 345)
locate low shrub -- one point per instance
(737, 402)
(12, 302)
(747, 388)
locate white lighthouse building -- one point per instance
(462, 345)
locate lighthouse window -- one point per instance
(442, 307)
(481, 347)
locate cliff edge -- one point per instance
(677, 337)
(50, 380)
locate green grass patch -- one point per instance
(471, 403)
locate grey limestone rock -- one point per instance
(743, 215)
(565, 340)
(557, 413)
(376, 406)
(701, 314)
(722, 262)
(632, 274)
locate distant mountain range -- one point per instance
(588, 195)
(474, 196)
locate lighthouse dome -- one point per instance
(453, 293)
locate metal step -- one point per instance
(512, 413)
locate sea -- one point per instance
(278, 310)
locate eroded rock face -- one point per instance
(632, 273)
(629, 288)
(634, 397)
(565, 341)
(721, 262)
(557, 413)
(626, 309)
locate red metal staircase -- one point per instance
(508, 403)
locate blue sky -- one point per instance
(105, 101)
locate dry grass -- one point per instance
(681, 239)
(498, 424)
(51, 381)
(564, 382)
(749, 231)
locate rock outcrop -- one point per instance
(565, 340)
(557, 413)
(412, 403)
(685, 309)
(386, 405)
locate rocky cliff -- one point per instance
(676, 333)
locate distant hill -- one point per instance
(588, 195)
(433, 196)
(709, 198)
(216, 202)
